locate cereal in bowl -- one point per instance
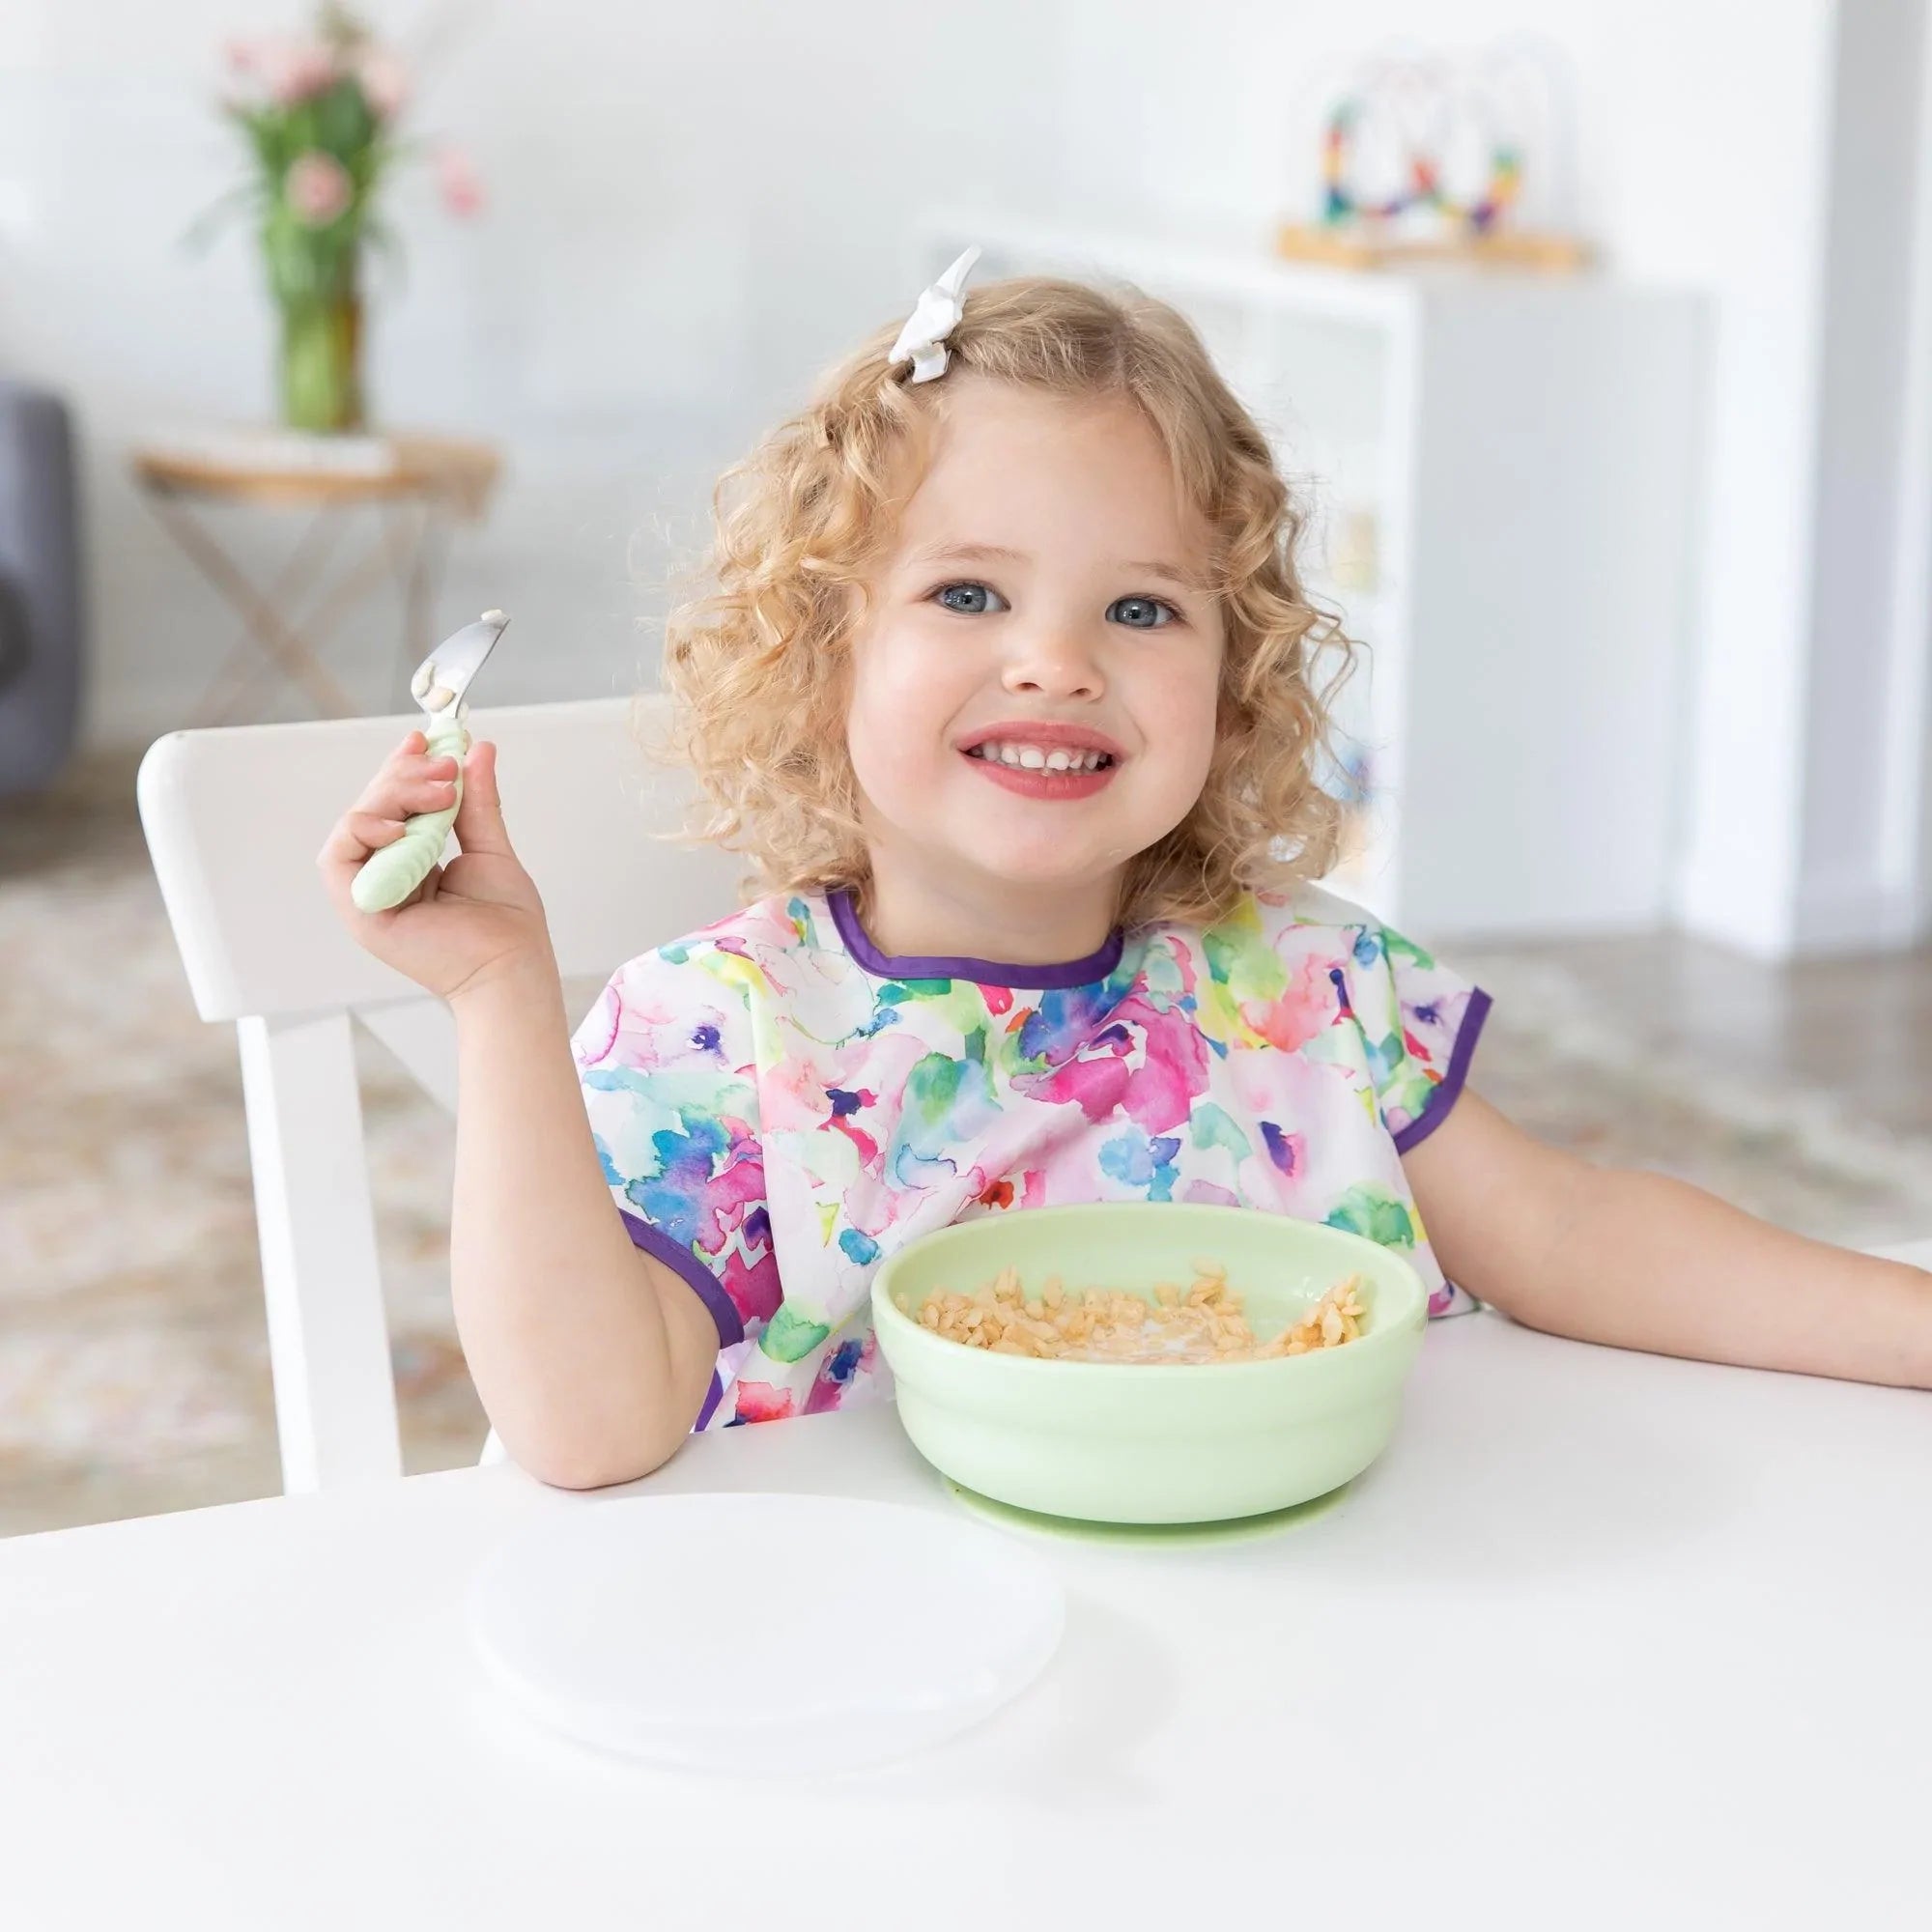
(1200, 1323)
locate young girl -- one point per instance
(1008, 688)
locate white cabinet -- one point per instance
(1502, 474)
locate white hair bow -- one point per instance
(934, 317)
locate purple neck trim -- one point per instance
(982, 972)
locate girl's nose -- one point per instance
(1054, 666)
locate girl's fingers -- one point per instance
(416, 765)
(399, 797)
(424, 767)
(408, 763)
(479, 819)
(356, 834)
(425, 892)
(410, 784)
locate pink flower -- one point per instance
(762, 1401)
(1155, 1066)
(753, 1286)
(1303, 1009)
(294, 71)
(462, 187)
(241, 91)
(385, 83)
(318, 188)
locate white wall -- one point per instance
(1864, 692)
(694, 206)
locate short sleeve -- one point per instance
(670, 1082)
(1421, 1022)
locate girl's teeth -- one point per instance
(1034, 758)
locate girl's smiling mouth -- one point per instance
(1039, 759)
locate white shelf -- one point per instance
(1527, 447)
(1224, 273)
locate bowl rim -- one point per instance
(1393, 1333)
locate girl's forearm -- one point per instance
(1641, 1261)
(592, 1358)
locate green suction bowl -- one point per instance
(1151, 1443)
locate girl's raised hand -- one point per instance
(472, 921)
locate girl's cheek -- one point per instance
(895, 731)
(889, 764)
(1183, 710)
(907, 692)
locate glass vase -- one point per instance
(321, 370)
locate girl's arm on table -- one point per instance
(1640, 1261)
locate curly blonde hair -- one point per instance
(758, 663)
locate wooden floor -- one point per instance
(1856, 1028)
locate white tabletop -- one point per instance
(1603, 1639)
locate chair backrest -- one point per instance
(233, 819)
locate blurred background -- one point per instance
(1599, 338)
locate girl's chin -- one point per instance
(1054, 869)
(1054, 844)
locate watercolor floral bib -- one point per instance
(778, 1106)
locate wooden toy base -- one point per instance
(1359, 247)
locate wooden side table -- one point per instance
(419, 487)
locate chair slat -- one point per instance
(328, 1342)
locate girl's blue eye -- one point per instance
(1141, 613)
(970, 598)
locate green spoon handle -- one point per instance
(393, 871)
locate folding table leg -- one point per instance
(297, 664)
(237, 676)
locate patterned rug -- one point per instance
(133, 1359)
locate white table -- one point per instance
(1603, 1641)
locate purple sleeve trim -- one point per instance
(712, 1398)
(679, 1259)
(1444, 1097)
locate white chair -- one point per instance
(234, 821)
